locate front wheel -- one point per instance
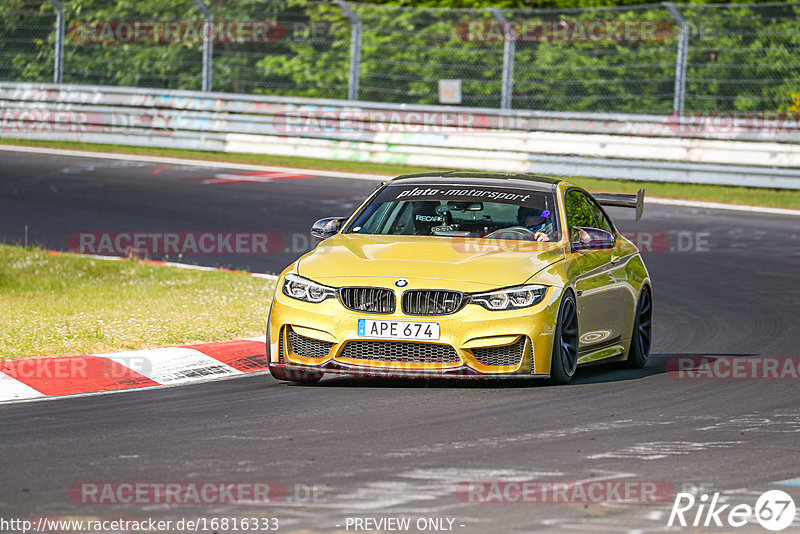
(642, 331)
(564, 360)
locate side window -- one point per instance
(603, 223)
(577, 210)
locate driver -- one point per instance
(537, 221)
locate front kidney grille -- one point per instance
(368, 299)
(500, 356)
(400, 352)
(307, 347)
(431, 302)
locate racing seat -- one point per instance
(424, 217)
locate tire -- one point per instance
(564, 360)
(642, 335)
(291, 375)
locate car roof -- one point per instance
(533, 182)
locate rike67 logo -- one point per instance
(774, 510)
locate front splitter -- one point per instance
(362, 371)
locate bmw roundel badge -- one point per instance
(401, 283)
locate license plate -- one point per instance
(398, 329)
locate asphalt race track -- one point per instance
(726, 284)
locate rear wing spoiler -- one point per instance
(623, 201)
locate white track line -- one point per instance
(192, 162)
(721, 206)
(189, 266)
(351, 175)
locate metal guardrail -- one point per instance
(632, 147)
(517, 120)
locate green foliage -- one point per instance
(54, 305)
(741, 57)
(26, 41)
(532, 4)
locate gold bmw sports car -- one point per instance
(464, 275)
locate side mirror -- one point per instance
(327, 227)
(584, 238)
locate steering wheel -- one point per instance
(520, 233)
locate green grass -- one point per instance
(58, 305)
(754, 196)
(779, 198)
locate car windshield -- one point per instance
(464, 211)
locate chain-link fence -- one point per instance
(654, 58)
(743, 57)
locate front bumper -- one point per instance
(474, 342)
(462, 373)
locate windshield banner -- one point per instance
(502, 195)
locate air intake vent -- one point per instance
(307, 347)
(501, 356)
(280, 344)
(368, 299)
(431, 302)
(400, 352)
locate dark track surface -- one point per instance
(389, 448)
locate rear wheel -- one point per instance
(642, 331)
(564, 360)
(292, 375)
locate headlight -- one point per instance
(510, 299)
(304, 289)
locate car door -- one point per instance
(600, 295)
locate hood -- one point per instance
(464, 263)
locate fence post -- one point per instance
(682, 57)
(509, 49)
(208, 44)
(355, 49)
(58, 64)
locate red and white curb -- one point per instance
(38, 378)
